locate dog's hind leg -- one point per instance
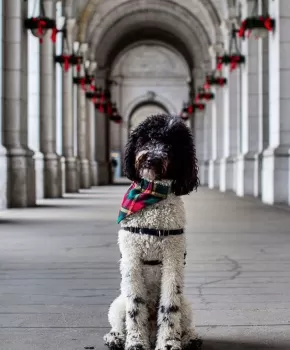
(169, 313)
(189, 338)
(115, 339)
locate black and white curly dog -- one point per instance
(152, 312)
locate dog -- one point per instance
(152, 312)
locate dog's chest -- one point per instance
(168, 214)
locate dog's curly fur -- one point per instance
(152, 312)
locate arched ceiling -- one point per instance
(109, 26)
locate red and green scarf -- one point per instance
(141, 195)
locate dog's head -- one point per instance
(161, 147)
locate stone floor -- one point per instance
(59, 271)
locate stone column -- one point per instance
(71, 180)
(230, 123)
(52, 168)
(102, 138)
(3, 159)
(276, 159)
(82, 135)
(213, 167)
(198, 128)
(220, 121)
(91, 142)
(33, 106)
(251, 133)
(21, 190)
(31, 188)
(207, 142)
(213, 150)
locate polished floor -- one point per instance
(59, 271)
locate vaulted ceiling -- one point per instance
(110, 26)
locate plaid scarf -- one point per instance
(141, 195)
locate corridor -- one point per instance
(59, 271)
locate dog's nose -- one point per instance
(154, 160)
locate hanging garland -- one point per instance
(213, 80)
(66, 59)
(257, 24)
(41, 24)
(115, 116)
(233, 58)
(203, 94)
(95, 95)
(101, 104)
(84, 81)
(194, 107)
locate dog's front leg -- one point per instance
(134, 291)
(169, 313)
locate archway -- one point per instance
(142, 111)
(150, 77)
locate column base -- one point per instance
(211, 174)
(227, 174)
(216, 173)
(31, 179)
(17, 188)
(248, 174)
(39, 178)
(275, 176)
(71, 175)
(62, 174)
(94, 173)
(103, 169)
(85, 178)
(204, 173)
(3, 178)
(52, 176)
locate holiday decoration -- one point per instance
(69, 57)
(199, 106)
(195, 107)
(41, 24)
(69, 60)
(95, 95)
(115, 116)
(233, 58)
(257, 25)
(203, 94)
(184, 115)
(84, 81)
(212, 79)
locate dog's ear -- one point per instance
(184, 158)
(129, 158)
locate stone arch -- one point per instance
(108, 30)
(144, 100)
(106, 14)
(145, 105)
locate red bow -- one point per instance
(66, 61)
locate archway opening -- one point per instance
(143, 111)
(150, 77)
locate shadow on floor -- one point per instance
(240, 345)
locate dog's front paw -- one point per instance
(115, 341)
(193, 344)
(170, 344)
(136, 343)
(135, 347)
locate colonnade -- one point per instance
(45, 151)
